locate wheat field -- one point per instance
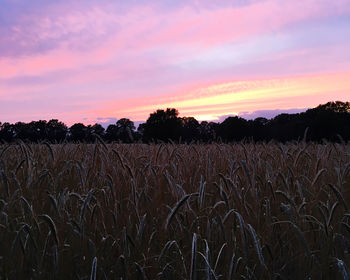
(172, 211)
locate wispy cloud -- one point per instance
(248, 95)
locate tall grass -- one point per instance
(198, 211)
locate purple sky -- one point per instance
(96, 61)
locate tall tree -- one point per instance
(78, 132)
(234, 129)
(7, 132)
(125, 130)
(21, 131)
(259, 129)
(328, 121)
(92, 130)
(337, 106)
(190, 129)
(56, 131)
(37, 131)
(208, 131)
(163, 125)
(111, 133)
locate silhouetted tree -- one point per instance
(78, 132)
(56, 131)
(125, 130)
(330, 121)
(234, 129)
(163, 125)
(190, 129)
(282, 128)
(92, 130)
(141, 130)
(259, 129)
(98, 129)
(21, 131)
(37, 131)
(337, 107)
(111, 133)
(7, 132)
(208, 131)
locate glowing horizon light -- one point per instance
(233, 98)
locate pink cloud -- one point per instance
(213, 27)
(129, 63)
(143, 29)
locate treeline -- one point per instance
(330, 122)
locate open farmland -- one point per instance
(198, 211)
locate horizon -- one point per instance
(268, 114)
(99, 61)
(248, 116)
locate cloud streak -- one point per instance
(213, 101)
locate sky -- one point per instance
(101, 60)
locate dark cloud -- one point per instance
(105, 122)
(269, 114)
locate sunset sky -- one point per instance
(97, 60)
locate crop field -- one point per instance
(172, 211)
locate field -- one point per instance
(198, 211)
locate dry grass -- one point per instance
(244, 211)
